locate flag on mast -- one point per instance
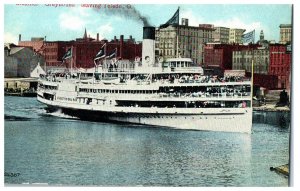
(68, 54)
(248, 37)
(113, 54)
(174, 21)
(101, 53)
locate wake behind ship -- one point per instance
(171, 93)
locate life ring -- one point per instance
(137, 59)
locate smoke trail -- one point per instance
(128, 11)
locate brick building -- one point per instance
(218, 56)
(221, 55)
(36, 43)
(280, 64)
(264, 80)
(52, 51)
(83, 50)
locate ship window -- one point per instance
(173, 64)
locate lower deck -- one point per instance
(209, 119)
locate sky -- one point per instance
(69, 23)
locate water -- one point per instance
(44, 148)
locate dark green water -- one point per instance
(43, 148)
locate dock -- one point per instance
(20, 87)
(283, 169)
(271, 107)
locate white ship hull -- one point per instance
(207, 119)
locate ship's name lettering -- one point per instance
(66, 99)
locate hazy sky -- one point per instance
(68, 23)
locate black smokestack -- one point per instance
(149, 33)
(128, 11)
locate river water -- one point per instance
(58, 150)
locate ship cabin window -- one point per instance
(182, 64)
(173, 64)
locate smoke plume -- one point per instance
(127, 11)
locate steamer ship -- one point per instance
(172, 93)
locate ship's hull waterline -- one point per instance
(206, 119)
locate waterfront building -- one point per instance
(242, 60)
(280, 64)
(285, 33)
(235, 35)
(83, 50)
(218, 56)
(221, 35)
(36, 43)
(52, 51)
(37, 71)
(189, 41)
(20, 61)
(262, 40)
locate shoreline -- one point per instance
(271, 107)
